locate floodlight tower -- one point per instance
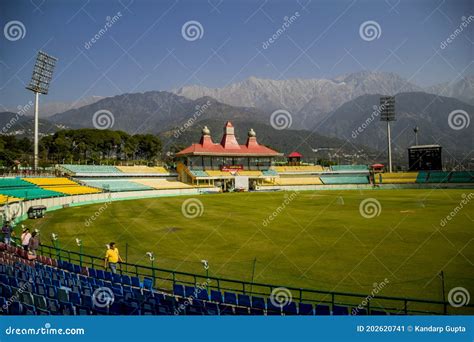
(39, 84)
(415, 130)
(387, 111)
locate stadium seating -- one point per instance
(63, 185)
(335, 179)
(438, 177)
(349, 168)
(462, 177)
(422, 177)
(4, 199)
(299, 168)
(270, 173)
(162, 184)
(143, 169)
(116, 185)
(396, 178)
(249, 173)
(54, 287)
(85, 169)
(217, 173)
(18, 188)
(198, 173)
(297, 181)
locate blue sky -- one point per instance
(144, 48)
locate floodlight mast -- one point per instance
(39, 84)
(387, 109)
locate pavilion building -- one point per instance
(227, 164)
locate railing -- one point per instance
(164, 279)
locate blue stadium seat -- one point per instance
(108, 276)
(378, 313)
(189, 291)
(92, 272)
(258, 303)
(126, 280)
(322, 310)
(241, 311)
(359, 312)
(216, 296)
(272, 307)
(63, 295)
(243, 300)
(203, 294)
(136, 281)
(42, 312)
(16, 308)
(53, 306)
(75, 298)
(148, 283)
(100, 274)
(340, 310)
(225, 310)
(290, 309)
(305, 309)
(230, 298)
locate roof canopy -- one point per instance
(295, 155)
(228, 145)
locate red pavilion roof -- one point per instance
(228, 146)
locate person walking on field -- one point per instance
(112, 258)
(25, 238)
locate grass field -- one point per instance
(316, 240)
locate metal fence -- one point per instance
(164, 279)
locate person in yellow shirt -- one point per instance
(112, 257)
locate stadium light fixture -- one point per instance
(387, 113)
(39, 84)
(416, 130)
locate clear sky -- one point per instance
(144, 49)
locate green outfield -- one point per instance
(314, 239)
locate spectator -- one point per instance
(33, 243)
(112, 257)
(7, 231)
(25, 238)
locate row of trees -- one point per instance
(84, 146)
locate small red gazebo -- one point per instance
(294, 158)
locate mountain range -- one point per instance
(329, 107)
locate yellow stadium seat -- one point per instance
(4, 199)
(63, 185)
(142, 169)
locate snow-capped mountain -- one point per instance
(305, 99)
